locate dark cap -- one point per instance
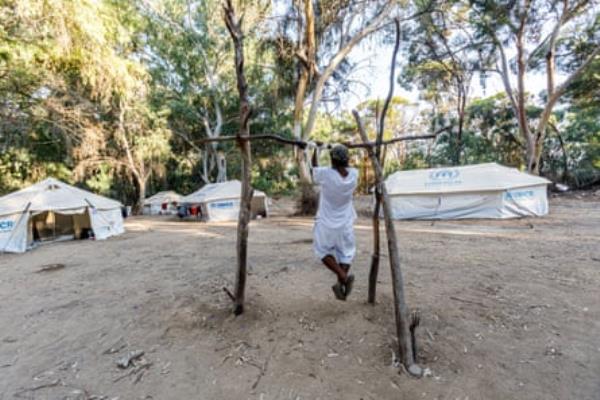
(339, 155)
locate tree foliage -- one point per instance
(117, 95)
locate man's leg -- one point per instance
(336, 268)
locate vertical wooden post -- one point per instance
(374, 270)
(400, 308)
(234, 27)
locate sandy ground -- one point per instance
(510, 310)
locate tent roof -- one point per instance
(218, 191)
(53, 195)
(163, 197)
(471, 178)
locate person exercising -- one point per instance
(333, 230)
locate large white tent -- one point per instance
(221, 201)
(474, 191)
(162, 203)
(51, 210)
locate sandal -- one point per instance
(338, 291)
(348, 285)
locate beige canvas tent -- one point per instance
(52, 210)
(221, 201)
(162, 203)
(473, 191)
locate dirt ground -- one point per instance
(510, 310)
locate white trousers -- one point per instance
(336, 242)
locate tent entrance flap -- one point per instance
(51, 226)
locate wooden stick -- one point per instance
(303, 144)
(400, 307)
(235, 31)
(374, 270)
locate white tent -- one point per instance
(221, 201)
(51, 210)
(474, 191)
(162, 203)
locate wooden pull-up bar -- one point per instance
(303, 144)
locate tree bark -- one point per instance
(405, 348)
(234, 28)
(374, 270)
(141, 194)
(304, 174)
(540, 133)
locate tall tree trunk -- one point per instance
(462, 102)
(304, 174)
(141, 193)
(554, 95)
(405, 348)
(234, 27)
(221, 167)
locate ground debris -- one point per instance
(50, 268)
(115, 348)
(127, 360)
(139, 371)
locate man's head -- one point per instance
(339, 156)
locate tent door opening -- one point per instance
(50, 226)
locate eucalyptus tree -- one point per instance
(318, 36)
(61, 63)
(442, 61)
(186, 46)
(525, 36)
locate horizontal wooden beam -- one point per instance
(303, 144)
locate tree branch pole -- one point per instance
(303, 144)
(374, 270)
(407, 356)
(234, 28)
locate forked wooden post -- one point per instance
(400, 308)
(374, 270)
(234, 28)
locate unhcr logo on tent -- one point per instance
(228, 204)
(6, 225)
(444, 177)
(519, 195)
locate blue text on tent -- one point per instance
(228, 204)
(522, 194)
(6, 225)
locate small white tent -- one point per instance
(474, 191)
(162, 203)
(221, 201)
(52, 209)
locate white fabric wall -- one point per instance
(522, 202)
(13, 233)
(531, 201)
(228, 210)
(152, 209)
(106, 223)
(223, 210)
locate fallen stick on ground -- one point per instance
(468, 301)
